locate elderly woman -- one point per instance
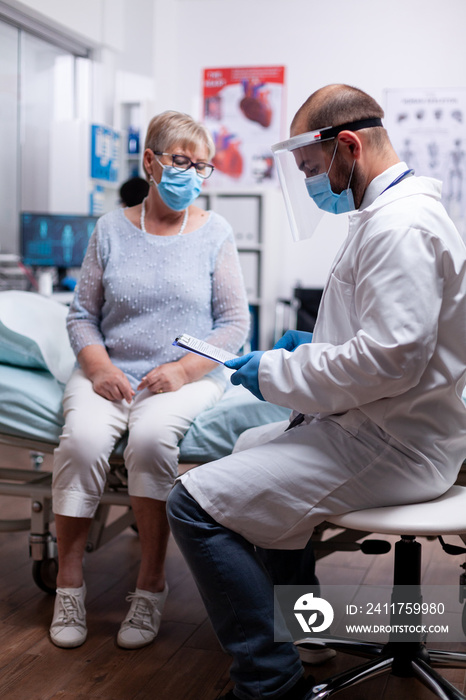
(151, 272)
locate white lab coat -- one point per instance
(381, 383)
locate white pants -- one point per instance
(277, 486)
(156, 423)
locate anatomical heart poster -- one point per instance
(243, 110)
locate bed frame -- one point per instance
(36, 485)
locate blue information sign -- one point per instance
(105, 153)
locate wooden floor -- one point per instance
(185, 662)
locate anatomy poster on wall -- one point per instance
(243, 109)
(427, 129)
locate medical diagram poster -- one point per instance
(243, 109)
(427, 130)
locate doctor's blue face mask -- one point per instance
(320, 190)
(303, 172)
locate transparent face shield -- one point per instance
(298, 160)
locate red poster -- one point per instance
(243, 109)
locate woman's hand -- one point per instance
(107, 380)
(111, 383)
(168, 377)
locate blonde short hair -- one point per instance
(170, 128)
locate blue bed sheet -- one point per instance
(30, 404)
(30, 407)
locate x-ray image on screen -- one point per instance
(55, 240)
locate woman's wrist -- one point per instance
(94, 359)
(195, 367)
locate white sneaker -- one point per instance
(68, 628)
(141, 625)
(314, 654)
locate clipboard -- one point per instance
(200, 347)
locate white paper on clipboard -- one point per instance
(200, 347)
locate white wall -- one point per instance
(373, 45)
(137, 55)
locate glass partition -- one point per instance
(9, 204)
(42, 87)
(47, 91)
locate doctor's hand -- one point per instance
(292, 339)
(247, 372)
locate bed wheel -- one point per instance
(44, 573)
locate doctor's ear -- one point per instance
(351, 141)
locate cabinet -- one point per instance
(255, 218)
(132, 136)
(133, 120)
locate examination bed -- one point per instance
(35, 362)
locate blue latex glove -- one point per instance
(292, 339)
(247, 372)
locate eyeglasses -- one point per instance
(183, 163)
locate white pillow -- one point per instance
(33, 334)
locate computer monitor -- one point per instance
(55, 240)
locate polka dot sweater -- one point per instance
(138, 291)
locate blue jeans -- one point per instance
(238, 594)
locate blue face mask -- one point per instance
(178, 189)
(320, 190)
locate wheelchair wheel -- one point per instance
(44, 573)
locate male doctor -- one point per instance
(377, 416)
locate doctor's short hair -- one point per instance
(338, 104)
(172, 128)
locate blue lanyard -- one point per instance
(399, 179)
